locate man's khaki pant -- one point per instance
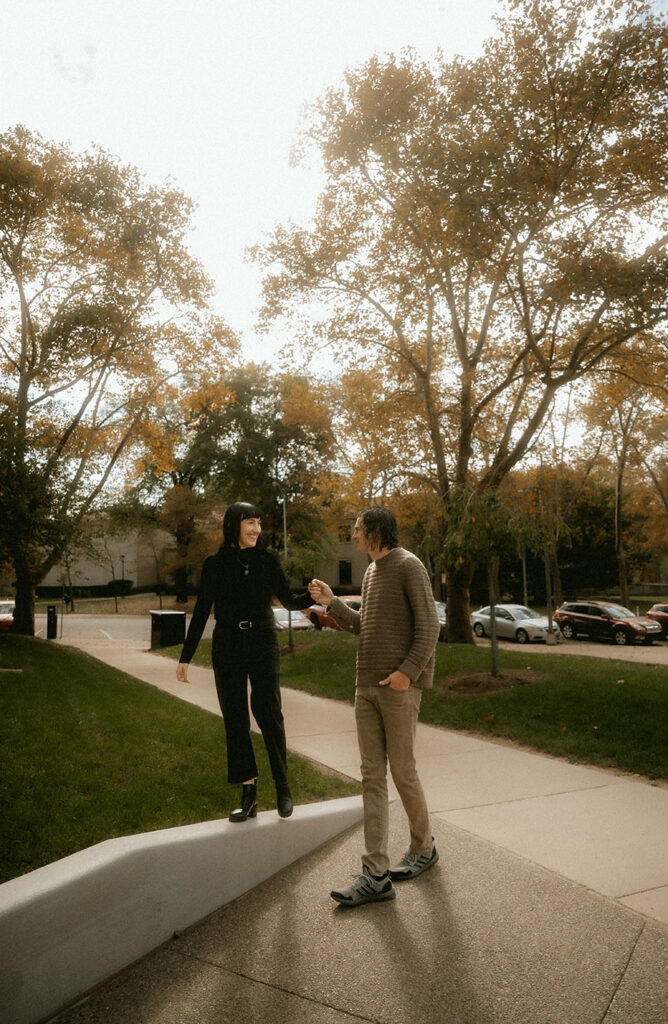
(386, 722)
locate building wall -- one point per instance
(135, 558)
(345, 570)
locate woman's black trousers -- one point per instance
(240, 655)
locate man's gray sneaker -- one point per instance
(365, 889)
(413, 864)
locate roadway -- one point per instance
(102, 630)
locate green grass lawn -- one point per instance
(589, 710)
(89, 753)
(595, 711)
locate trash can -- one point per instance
(167, 628)
(51, 622)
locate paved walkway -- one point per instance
(549, 904)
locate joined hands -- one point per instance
(320, 592)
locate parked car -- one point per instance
(514, 622)
(659, 612)
(6, 615)
(602, 620)
(299, 620)
(440, 611)
(318, 615)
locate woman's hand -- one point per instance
(320, 592)
(182, 672)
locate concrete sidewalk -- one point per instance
(549, 903)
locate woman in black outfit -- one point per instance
(240, 582)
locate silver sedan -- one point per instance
(298, 619)
(514, 622)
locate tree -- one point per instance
(173, 491)
(102, 309)
(482, 529)
(490, 229)
(567, 513)
(541, 527)
(625, 404)
(256, 436)
(273, 443)
(371, 422)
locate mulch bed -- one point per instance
(485, 682)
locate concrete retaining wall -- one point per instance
(67, 926)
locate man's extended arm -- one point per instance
(347, 617)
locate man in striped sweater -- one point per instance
(398, 629)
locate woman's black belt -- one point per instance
(244, 624)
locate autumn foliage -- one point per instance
(490, 231)
(104, 316)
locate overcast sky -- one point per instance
(209, 93)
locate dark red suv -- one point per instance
(601, 620)
(659, 612)
(317, 613)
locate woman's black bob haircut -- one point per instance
(380, 526)
(234, 515)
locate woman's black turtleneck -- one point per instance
(240, 583)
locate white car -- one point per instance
(299, 620)
(513, 622)
(6, 615)
(440, 611)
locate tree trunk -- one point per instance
(623, 575)
(181, 584)
(547, 558)
(557, 588)
(525, 589)
(458, 616)
(184, 535)
(493, 588)
(619, 539)
(24, 611)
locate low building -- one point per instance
(345, 570)
(134, 561)
(139, 561)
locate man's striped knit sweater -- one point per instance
(397, 624)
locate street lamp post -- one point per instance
(285, 554)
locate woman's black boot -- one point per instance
(284, 803)
(248, 806)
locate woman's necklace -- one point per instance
(244, 565)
